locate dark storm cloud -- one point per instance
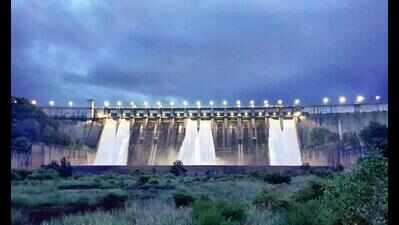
(198, 50)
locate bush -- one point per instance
(143, 180)
(277, 178)
(19, 174)
(43, 174)
(178, 169)
(21, 144)
(375, 138)
(112, 200)
(319, 136)
(183, 199)
(321, 172)
(312, 190)
(154, 182)
(339, 168)
(305, 167)
(271, 200)
(207, 212)
(358, 197)
(309, 213)
(78, 184)
(64, 169)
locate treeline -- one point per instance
(29, 124)
(374, 132)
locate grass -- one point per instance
(150, 199)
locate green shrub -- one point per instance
(43, 174)
(305, 167)
(21, 174)
(207, 212)
(312, 190)
(232, 211)
(78, 184)
(375, 138)
(321, 172)
(309, 213)
(21, 144)
(358, 197)
(339, 168)
(143, 180)
(15, 176)
(154, 181)
(64, 169)
(277, 179)
(115, 199)
(183, 199)
(178, 169)
(271, 200)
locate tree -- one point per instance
(320, 136)
(178, 168)
(21, 144)
(375, 138)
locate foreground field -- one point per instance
(306, 197)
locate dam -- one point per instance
(254, 135)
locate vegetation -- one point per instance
(319, 136)
(359, 196)
(277, 178)
(271, 200)
(183, 199)
(375, 137)
(29, 124)
(208, 212)
(178, 168)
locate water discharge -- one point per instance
(198, 147)
(283, 143)
(206, 145)
(114, 143)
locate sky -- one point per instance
(198, 50)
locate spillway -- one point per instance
(198, 147)
(114, 143)
(283, 143)
(187, 153)
(122, 142)
(206, 145)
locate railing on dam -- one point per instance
(353, 108)
(86, 113)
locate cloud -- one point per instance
(199, 50)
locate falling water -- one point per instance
(283, 143)
(198, 147)
(188, 148)
(206, 145)
(122, 141)
(114, 143)
(154, 147)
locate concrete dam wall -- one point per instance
(237, 140)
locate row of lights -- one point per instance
(326, 100)
(218, 114)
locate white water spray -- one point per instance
(206, 145)
(114, 143)
(283, 144)
(198, 147)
